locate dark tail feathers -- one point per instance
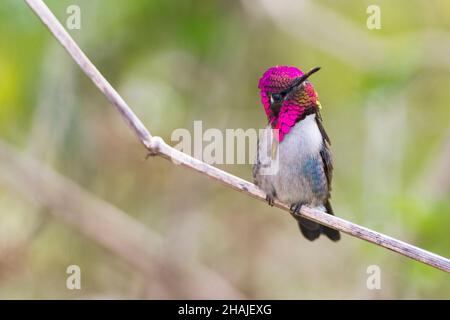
(312, 230)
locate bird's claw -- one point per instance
(295, 209)
(270, 200)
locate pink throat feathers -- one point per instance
(276, 80)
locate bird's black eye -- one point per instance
(276, 97)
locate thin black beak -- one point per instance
(302, 79)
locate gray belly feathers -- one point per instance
(300, 176)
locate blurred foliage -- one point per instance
(179, 61)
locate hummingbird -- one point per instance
(296, 140)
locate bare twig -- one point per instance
(157, 146)
(108, 226)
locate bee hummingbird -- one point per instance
(299, 144)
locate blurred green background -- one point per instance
(385, 105)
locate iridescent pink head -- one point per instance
(287, 97)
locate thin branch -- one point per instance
(157, 146)
(108, 226)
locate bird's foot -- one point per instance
(270, 200)
(295, 209)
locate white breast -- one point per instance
(303, 138)
(303, 141)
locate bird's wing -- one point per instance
(325, 153)
(321, 128)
